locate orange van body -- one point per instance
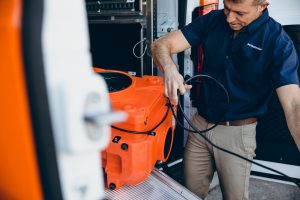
(19, 173)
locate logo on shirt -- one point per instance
(254, 47)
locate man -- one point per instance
(251, 55)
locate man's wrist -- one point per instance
(168, 67)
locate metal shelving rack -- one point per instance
(141, 12)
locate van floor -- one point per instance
(259, 189)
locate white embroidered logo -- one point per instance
(254, 47)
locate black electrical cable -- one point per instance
(195, 129)
(227, 98)
(150, 132)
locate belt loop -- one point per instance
(227, 123)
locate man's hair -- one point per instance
(258, 2)
(255, 2)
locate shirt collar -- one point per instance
(258, 22)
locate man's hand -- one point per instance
(161, 50)
(174, 82)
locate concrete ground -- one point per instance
(262, 189)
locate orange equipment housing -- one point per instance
(130, 157)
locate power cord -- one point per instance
(196, 130)
(151, 131)
(144, 51)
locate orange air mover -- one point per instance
(145, 137)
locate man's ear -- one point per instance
(263, 6)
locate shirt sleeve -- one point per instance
(196, 30)
(285, 67)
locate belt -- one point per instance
(239, 122)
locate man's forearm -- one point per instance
(163, 48)
(161, 54)
(289, 96)
(293, 122)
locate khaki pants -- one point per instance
(201, 159)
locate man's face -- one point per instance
(241, 14)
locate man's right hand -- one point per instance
(161, 51)
(174, 83)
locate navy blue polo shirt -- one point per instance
(258, 60)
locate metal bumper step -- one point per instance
(157, 186)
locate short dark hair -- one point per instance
(255, 2)
(258, 2)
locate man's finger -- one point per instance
(174, 94)
(188, 87)
(182, 89)
(166, 91)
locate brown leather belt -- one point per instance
(239, 122)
